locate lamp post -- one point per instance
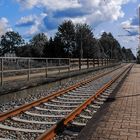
(139, 29)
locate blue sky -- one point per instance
(29, 17)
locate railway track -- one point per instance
(62, 110)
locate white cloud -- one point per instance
(27, 20)
(49, 4)
(126, 24)
(4, 26)
(92, 12)
(37, 23)
(132, 26)
(103, 10)
(98, 10)
(130, 39)
(77, 19)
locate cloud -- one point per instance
(129, 39)
(26, 21)
(93, 12)
(51, 23)
(103, 9)
(49, 4)
(132, 30)
(131, 26)
(4, 26)
(35, 24)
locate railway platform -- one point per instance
(119, 118)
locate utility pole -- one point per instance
(139, 29)
(138, 49)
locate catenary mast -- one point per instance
(139, 29)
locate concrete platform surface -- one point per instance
(120, 118)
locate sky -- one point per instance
(29, 17)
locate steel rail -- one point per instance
(52, 132)
(27, 106)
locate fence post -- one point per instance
(98, 61)
(59, 65)
(29, 69)
(46, 68)
(102, 61)
(79, 63)
(87, 63)
(109, 61)
(69, 65)
(105, 62)
(93, 63)
(1, 71)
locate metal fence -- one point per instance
(15, 68)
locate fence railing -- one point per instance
(15, 68)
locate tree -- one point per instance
(129, 55)
(48, 49)
(55, 48)
(138, 57)
(10, 41)
(84, 39)
(111, 46)
(124, 53)
(24, 51)
(59, 48)
(1, 50)
(66, 33)
(99, 50)
(38, 43)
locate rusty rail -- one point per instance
(51, 133)
(26, 107)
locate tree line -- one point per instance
(71, 40)
(138, 57)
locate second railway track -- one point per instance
(39, 119)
